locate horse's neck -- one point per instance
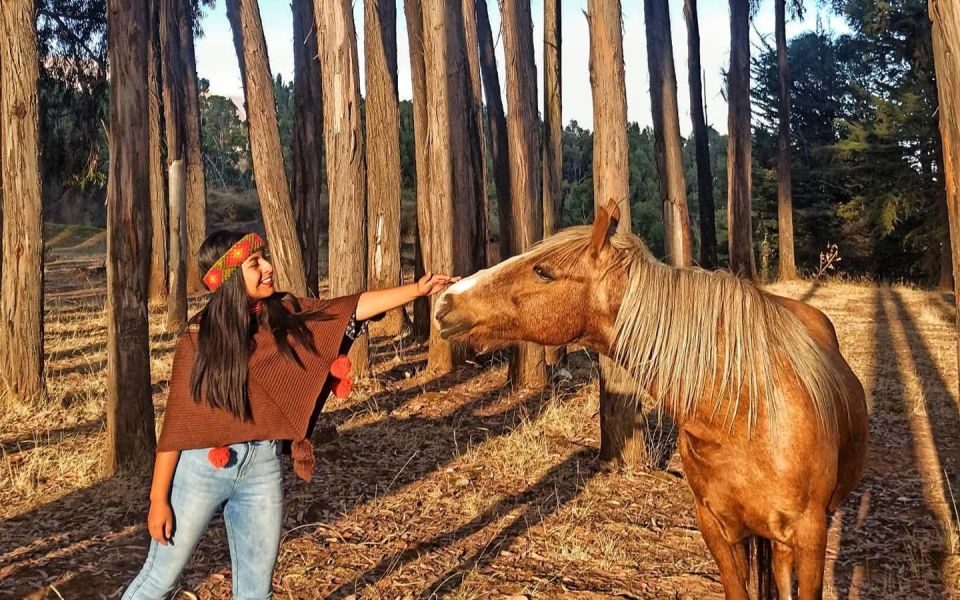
(600, 329)
(651, 301)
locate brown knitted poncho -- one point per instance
(283, 395)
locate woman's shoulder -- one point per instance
(190, 333)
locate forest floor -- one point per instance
(459, 486)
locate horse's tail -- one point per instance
(760, 556)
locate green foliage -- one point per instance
(864, 142)
(645, 217)
(73, 94)
(718, 168)
(226, 149)
(577, 174)
(283, 97)
(408, 162)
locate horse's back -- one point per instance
(817, 323)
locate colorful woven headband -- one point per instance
(227, 264)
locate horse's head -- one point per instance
(565, 289)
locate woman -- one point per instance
(247, 376)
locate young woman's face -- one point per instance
(257, 276)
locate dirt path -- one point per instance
(459, 487)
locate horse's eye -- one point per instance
(542, 273)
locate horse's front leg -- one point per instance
(783, 570)
(724, 539)
(731, 559)
(810, 551)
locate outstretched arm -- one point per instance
(377, 302)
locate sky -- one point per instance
(217, 61)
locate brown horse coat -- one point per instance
(773, 422)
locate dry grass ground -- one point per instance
(460, 487)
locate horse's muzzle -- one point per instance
(446, 318)
(444, 306)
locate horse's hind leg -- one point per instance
(730, 558)
(810, 552)
(783, 570)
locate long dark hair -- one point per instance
(227, 327)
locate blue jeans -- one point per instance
(250, 490)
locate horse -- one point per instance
(772, 421)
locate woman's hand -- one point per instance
(160, 522)
(431, 283)
(371, 304)
(160, 516)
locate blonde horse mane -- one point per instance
(690, 336)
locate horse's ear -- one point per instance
(606, 218)
(613, 208)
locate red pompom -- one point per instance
(219, 456)
(342, 388)
(341, 366)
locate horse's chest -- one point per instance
(739, 487)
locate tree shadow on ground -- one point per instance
(561, 484)
(888, 532)
(946, 307)
(51, 437)
(79, 543)
(87, 552)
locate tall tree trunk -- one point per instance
(1, 180)
(21, 300)
(701, 139)
(414, 15)
(174, 104)
(271, 180)
(343, 141)
(945, 15)
(739, 228)
(945, 275)
(452, 187)
(621, 438)
(383, 154)
(552, 119)
(158, 200)
(552, 138)
(498, 126)
(196, 216)
(307, 178)
(236, 26)
(788, 266)
(527, 364)
(666, 131)
(478, 149)
(130, 424)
